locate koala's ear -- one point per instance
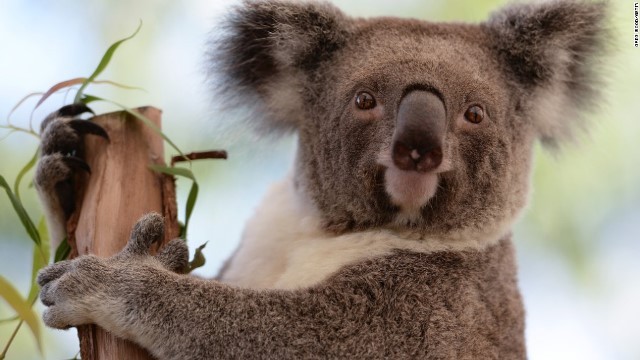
(553, 51)
(268, 52)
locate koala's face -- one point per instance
(415, 131)
(414, 125)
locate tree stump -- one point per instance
(120, 189)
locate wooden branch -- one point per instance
(120, 189)
(213, 154)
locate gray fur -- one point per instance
(560, 46)
(300, 65)
(448, 305)
(61, 155)
(148, 230)
(274, 46)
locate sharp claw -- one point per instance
(88, 127)
(74, 110)
(75, 162)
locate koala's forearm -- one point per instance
(388, 307)
(242, 322)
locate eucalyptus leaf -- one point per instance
(22, 308)
(23, 171)
(177, 171)
(193, 192)
(106, 58)
(198, 258)
(191, 203)
(63, 251)
(41, 256)
(22, 213)
(119, 85)
(86, 99)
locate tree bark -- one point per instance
(120, 189)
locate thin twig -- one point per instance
(214, 154)
(7, 134)
(6, 348)
(19, 129)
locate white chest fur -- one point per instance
(284, 247)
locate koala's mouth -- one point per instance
(410, 190)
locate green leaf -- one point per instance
(198, 258)
(21, 307)
(40, 259)
(178, 171)
(191, 203)
(63, 251)
(86, 99)
(106, 58)
(117, 84)
(23, 171)
(22, 213)
(193, 193)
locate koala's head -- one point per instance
(411, 124)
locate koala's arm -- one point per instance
(182, 317)
(61, 156)
(385, 307)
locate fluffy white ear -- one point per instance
(268, 51)
(552, 51)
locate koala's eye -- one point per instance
(365, 101)
(474, 114)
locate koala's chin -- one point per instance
(410, 190)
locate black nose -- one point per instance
(419, 135)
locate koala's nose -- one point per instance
(419, 134)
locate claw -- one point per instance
(77, 163)
(74, 110)
(88, 127)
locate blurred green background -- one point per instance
(577, 244)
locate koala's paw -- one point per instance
(174, 256)
(88, 289)
(61, 155)
(72, 289)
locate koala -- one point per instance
(391, 236)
